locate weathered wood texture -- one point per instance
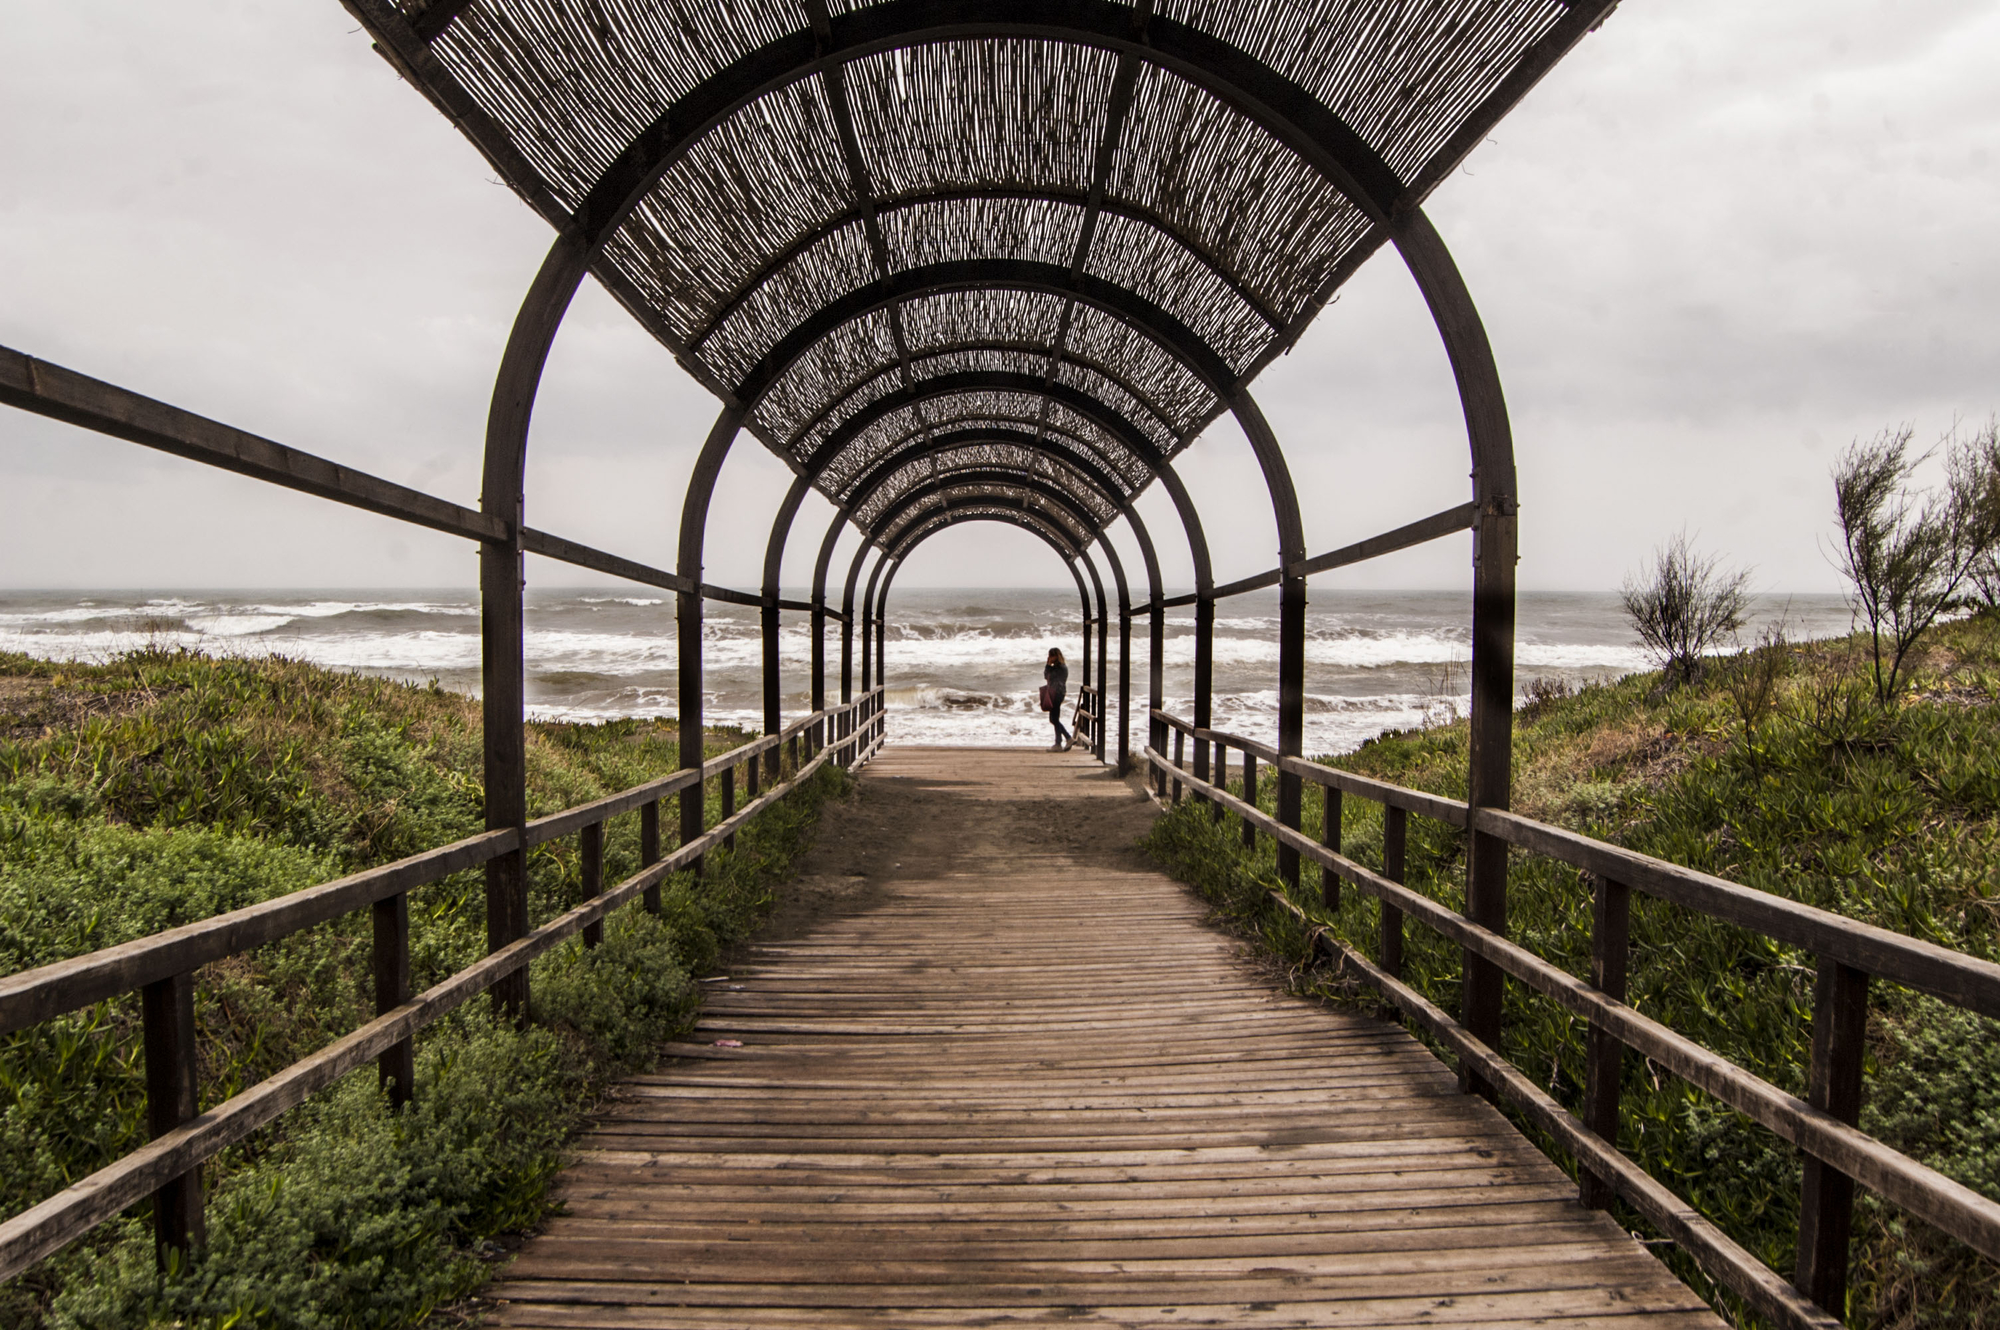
(1027, 1082)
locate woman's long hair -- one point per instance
(1055, 657)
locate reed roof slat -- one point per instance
(978, 133)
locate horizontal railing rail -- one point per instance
(1448, 522)
(848, 734)
(50, 390)
(1842, 945)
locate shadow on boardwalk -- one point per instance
(995, 1069)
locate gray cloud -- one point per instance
(1718, 242)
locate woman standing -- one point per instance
(1055, 679)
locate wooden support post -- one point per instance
(792, 748)
(590, 860)
(753, 775)
(1329, 836)
(649, 849)
(1495, 547)
(397, 1066)
(1249, 797)
(1180, 761)
(1395, 840)
(1826, 1200)
(1103, 678)
(167, 1010)
(1124, 694)
(1204, 640)
(1610, 948)
(729, 803)
(1221, 778)
(1291, 714)
(504, 737)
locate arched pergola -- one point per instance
(952, 260)
(999, 261)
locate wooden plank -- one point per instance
(1033, 1085)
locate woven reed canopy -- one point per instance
(939, 253)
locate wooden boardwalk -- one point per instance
(1021, 1081)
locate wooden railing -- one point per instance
(1088, 721)
(1838, 1154)
(161, 968)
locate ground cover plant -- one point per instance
(165, 787)
(1778, 769)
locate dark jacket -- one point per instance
(1057, 678)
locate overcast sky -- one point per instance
(1718, 243)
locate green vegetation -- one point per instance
(166, 787)
(1781, 771)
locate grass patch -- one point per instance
(166, 787)
(1818, 794)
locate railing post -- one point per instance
(753, 776)
(1826, 1200)
(1249, 797)
(397, 1066)
(1329, 836)
(590, 858)
(1610, 948)
(1395, 841)
(729, 803)
(649, 849)
(792, 748)
(1180, 761)
(1221, 779)
(167, 1009)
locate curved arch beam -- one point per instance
(871, 638)
(1277, 104)
(891, 465)
(826, 545)
(1204, 671)
(1283, 108)
(1166, 331)
(973, 426)
(1495, 546)
(1124, 655)
(887, 532)
(1130, 211)
(774, 558)
(1069, 553)
(1076, 555)
(1139, 395)
(1111, 421)
(688, 609)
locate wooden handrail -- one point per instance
(1964, 980)
(31, 996)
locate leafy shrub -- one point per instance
(175, 787)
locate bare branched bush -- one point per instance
(1907, 553)
(1754, 674)
(1444, 684)
(1978, 463)
(1688, 604)
(1544, 691)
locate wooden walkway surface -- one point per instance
(1023, 1082)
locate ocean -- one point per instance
(963, 665)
